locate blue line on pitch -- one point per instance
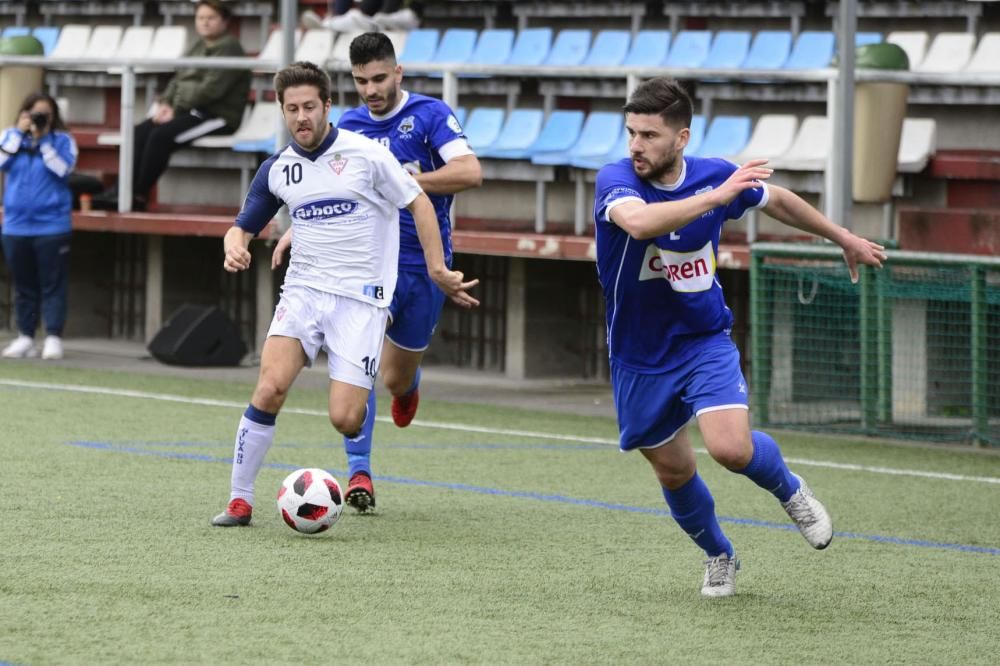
(471, 446)
(562, 499)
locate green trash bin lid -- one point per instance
(881, 56)
(22, 45)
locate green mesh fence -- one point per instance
(911, 351)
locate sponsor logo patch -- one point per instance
(453, 124)
(687, 272)
(324, 209)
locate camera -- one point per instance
(39, 120)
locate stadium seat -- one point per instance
(273, 45)
(729, 49)
(456, 45)
(569, 49)
(104, 40)
(335, 113)
(949, 52)
(72, 41)
(531, 47)
(596, 162)
(914, 42)
(986, 57)
(559, 133)
(224, 140)
(689, 49)
(341, 51)
(769, 50)
(697, 134)
(483, 127)
(810, 148)
(812, 50)
(493, 47)
(315, 47)
(520, 130)
(135, 42)
(598, 136)
(15, 31)
(421, 46)
(772, 136)
(609, 49)
(866, 38)
(461, 113)
(258, 133)
(397, 37)
(48, 36)
(169, 41)
(726, 136)
(649, 49)
(916, 145)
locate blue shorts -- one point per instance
(414, 311)
(652, 409)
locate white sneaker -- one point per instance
(21, 347)
(353, 21)
(720, 576)
(404, 19)
(810, 516)
(53, 349)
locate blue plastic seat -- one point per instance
(493, 47)
(48, 36)
(725, 136)
(866, 38)
(813, 50)
(16, 31)
(690, 48)
(531, 47)
(697, 134)
(456, 45)
(729, 49)
(598, 136)
(460, 114)
(569, 49)
(596, 162)
(769, 50)
(519, 132)
(609, 49)
(649, 49)
(334, 115)
(483, 127)
(421, 46)
(559, 133)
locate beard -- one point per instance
(658, 169)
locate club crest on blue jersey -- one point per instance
(324, 209)
(406, 126)
(453, 124)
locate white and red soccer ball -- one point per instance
(310, 500)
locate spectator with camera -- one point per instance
(37, 154)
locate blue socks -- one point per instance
(693, 508)
(359, 447)
(768, 469)
(416, 382)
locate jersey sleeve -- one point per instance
(261, 205)
(614, 187)
(754, 197)
(390, 179)
(445, 133)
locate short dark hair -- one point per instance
(35, 97)
(664, 97)
(221, 8)
(371, 46)
(302, 74)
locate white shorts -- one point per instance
(350, 331)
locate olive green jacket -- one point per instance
(215, 93)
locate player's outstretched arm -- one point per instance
(643, 221)
(283, 244)
(459, 174)
(235, 243)
(452, 283)
(789, 208)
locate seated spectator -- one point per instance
(369, 16)
(37, 155)
(196, 103)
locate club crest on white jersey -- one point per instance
(687, 272)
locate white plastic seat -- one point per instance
(917, 144)
(104, 40)
(949, 52)
(169, 41)
(914, 42)
(273, 45)
(135, 42)
(259, 124)
(225, 140)
(341, 52)
(398, 39)
(986, 57)
(810, 148)
(772, 137)
(315, 46)
(73, 40)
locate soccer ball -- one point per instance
(310, 500)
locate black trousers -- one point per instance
(155, 143)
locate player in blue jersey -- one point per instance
(343, 194)
(658, 217)
(426, 138)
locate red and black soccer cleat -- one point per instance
(360, 493)
(237, 514)
(404, 408)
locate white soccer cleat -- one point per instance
(720, 576)
(21, 347)
(810, 516)
(53, 349)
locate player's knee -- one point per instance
(672, 475)
(346, 420)
(396, 382)
(269, 395)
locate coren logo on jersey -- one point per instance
(324, 209)
(685, 271)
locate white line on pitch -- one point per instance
(229, 404)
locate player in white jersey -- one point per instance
(658, 217)
(424, 135)
(343, 193)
